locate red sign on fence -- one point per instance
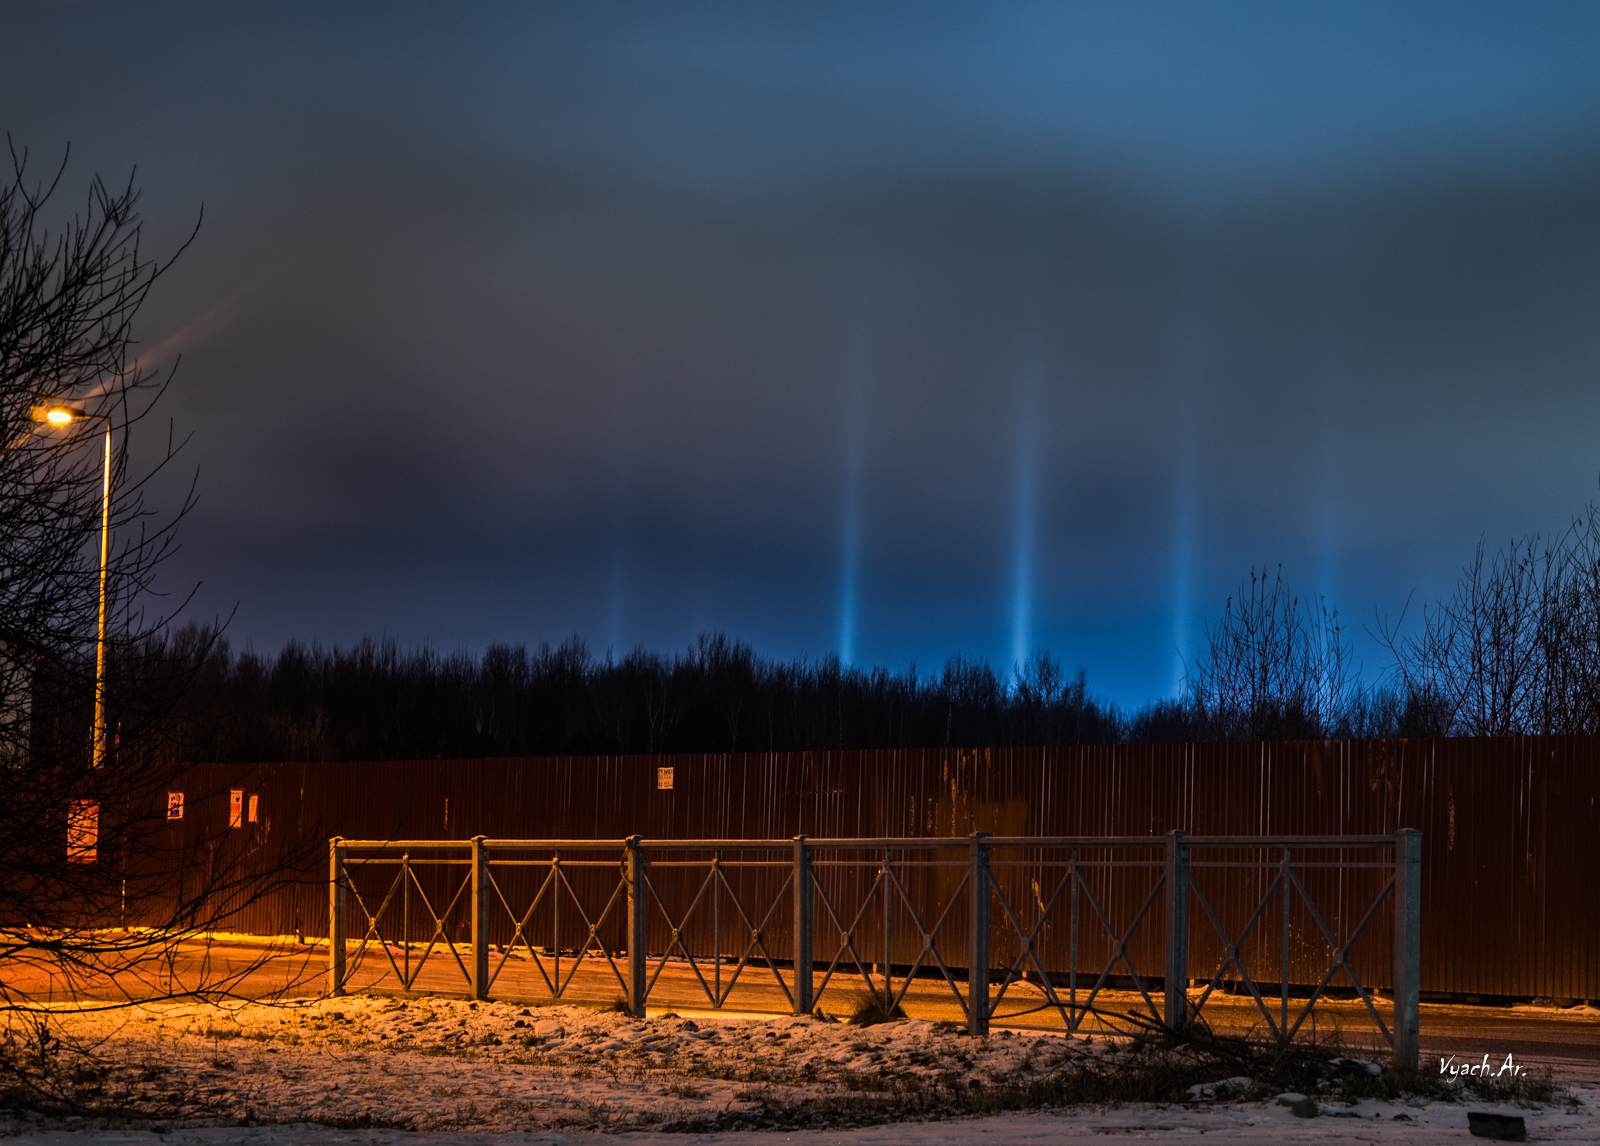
(83, 831)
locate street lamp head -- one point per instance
(58, 415)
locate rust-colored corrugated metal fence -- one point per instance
(1510, 850)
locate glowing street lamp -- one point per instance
(65, 416)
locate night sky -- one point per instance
(889, 330)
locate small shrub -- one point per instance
(867, 1009)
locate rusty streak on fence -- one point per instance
(810, 873)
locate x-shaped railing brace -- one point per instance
(887, 878)
(557, 879)
(372, 932)
(757, 935)
(1119, 947)
(1282, 884)
(929, 937)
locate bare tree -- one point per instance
(1572, 632)
(1274, 667)
(1515, 648)
(84, 853)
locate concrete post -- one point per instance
(1177, 963)
(978, 947)
(480, 920)
(804, 924)
(338, 883)
(1407, 943)
(638, 894)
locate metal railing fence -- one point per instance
(1071, 917)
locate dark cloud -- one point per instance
(503, 326)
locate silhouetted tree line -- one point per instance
(375, 700)
(1515, 648)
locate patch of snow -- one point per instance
(440, 1072)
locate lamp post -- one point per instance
(65, 416)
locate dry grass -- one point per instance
(1157, 1066)
(867, 1009)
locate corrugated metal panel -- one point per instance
(1509, 831)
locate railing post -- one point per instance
(338, 881)
(638, 895)
(480, 920)
(804, 906)
(1177, 967)
(1407, 943)
(978, 947)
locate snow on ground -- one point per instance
(442, 1071)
